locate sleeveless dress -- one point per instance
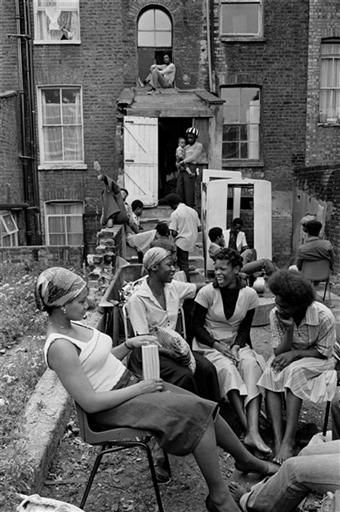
(176, 417)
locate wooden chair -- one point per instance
(317, 271)
(112, 440)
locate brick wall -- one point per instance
(323, 184)
(323, 141)
(8, 53)
(11, 189)
(278, 65)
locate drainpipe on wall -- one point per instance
(28, 147)
(212, 87)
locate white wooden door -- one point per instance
(141, 159)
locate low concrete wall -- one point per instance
(47, 254)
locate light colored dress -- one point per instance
(244, 377)
(309, 378)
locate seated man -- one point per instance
(216, 238)
(113, 208)
(162, 75)
(314, 248)
(315, 469)
(134, 238)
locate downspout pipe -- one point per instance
(209, 49)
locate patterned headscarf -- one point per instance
(154, 256)
(58, 286)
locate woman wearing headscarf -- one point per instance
(92, 372)
(155, 304)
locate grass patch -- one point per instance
(22, 337)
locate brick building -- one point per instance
(242, 71)
(317, 181)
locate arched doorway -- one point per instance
(154, 38)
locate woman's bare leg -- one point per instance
(206, 457)
(229, 442)
(274, 407)
(293, 407)
(237, 402)
(253, 438)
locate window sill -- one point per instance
(62, 167)
(60, 41)
(242, 163)
(242, 39)
(328, 124)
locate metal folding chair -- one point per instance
(317, 271)
(112, 440)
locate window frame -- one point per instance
(13, 234)
(155, 8)
(334, 119)
(238, 160)
(242, 36)
(64, 215)
(36, 8)
(62, 164)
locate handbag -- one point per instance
(172, 344)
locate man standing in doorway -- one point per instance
(187, 168)
(184, 226)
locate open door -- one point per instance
(141, 159)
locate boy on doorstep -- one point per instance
(134, 237)
(216, 238)
(164, 239)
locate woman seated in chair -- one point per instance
(155, 304)
(93, 374)
(303, 337)
(222, 319)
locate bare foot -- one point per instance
(237, 490)
(262, 467)
(254, 440)
(225, 504)
(285, 452)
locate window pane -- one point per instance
(244, 150)
(73, 150)
(51, 106)
(244, 132)
(230, 150)
(9, 223)
(53, 144)
(71, 106)
(162, 20)
(75, 239)
(57, 239)
(146, 39)
(163, 39)
(231, 133)
(240, 18)
(56, 225)
(147, 20)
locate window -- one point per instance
(64, 223)
(8, 230)
(60, 125)
(154, 29)
(330, 82)
(241, 123)
(154, 39)
(241, 18)
(56, 21)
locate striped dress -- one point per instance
(309, 378)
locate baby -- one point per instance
(180, 155)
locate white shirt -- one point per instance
(145, 312)
(185, 221)
(241, 240)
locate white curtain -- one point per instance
(68, 19)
